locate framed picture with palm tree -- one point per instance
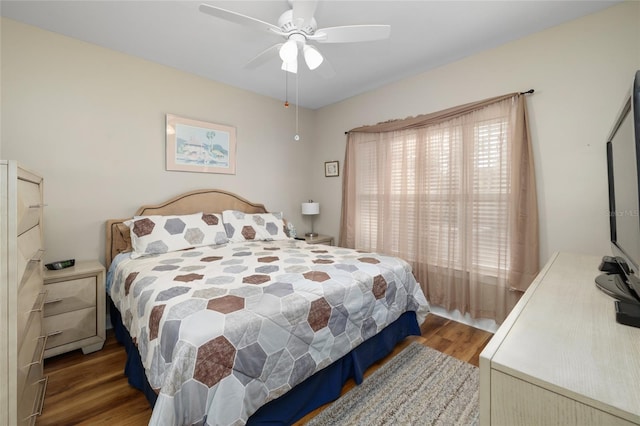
(200, 146)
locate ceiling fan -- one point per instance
(298, 27)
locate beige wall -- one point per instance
(91, 121)
(580, 72)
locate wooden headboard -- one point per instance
(203, 200)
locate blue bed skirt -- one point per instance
(323, 387)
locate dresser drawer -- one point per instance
(67, 296)
(70, 327)
(29, 253)
(22, 340)
(31, 351)
(30, 299)
(30, 405)
(29, 205)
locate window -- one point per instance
(440, 185)
(453, 193)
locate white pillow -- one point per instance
(163, 234)
(253, 226)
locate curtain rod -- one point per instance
(528, 92)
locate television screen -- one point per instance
(626, 233)
(623, 164)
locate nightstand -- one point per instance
(320, 239)
(74, 309)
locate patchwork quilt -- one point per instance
(224, 329)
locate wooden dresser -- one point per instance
(22, 341)
(560, 357)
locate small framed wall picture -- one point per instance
(331, 168)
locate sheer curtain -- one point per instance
(453, 193)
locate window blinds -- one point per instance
(447, 183)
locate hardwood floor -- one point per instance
(92, 389)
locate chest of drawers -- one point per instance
(22, 297)
(560, 357)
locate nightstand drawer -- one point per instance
(70, 327)
(67, 296)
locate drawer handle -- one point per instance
(37, 206)
(39, 302)
(43, 339)
(54, 333)
(53, 301)
(40, 400)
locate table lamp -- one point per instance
(310, 208)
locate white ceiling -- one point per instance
(424, 35)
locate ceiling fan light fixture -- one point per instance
(290, 66)
(312, 57)
(289, 51)
(297, 26)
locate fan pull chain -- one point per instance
(297, 136)
(286, 89)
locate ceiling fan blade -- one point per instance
(238, 18)
(351, 33)
(303, 11)
(264, 57)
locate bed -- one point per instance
(245, 325)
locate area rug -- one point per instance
(419, 386)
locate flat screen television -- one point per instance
(621, 279)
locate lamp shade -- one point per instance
(310, 208)
(312, 57)
(291, 67)
(288, 51)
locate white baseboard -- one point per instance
(482, 323)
